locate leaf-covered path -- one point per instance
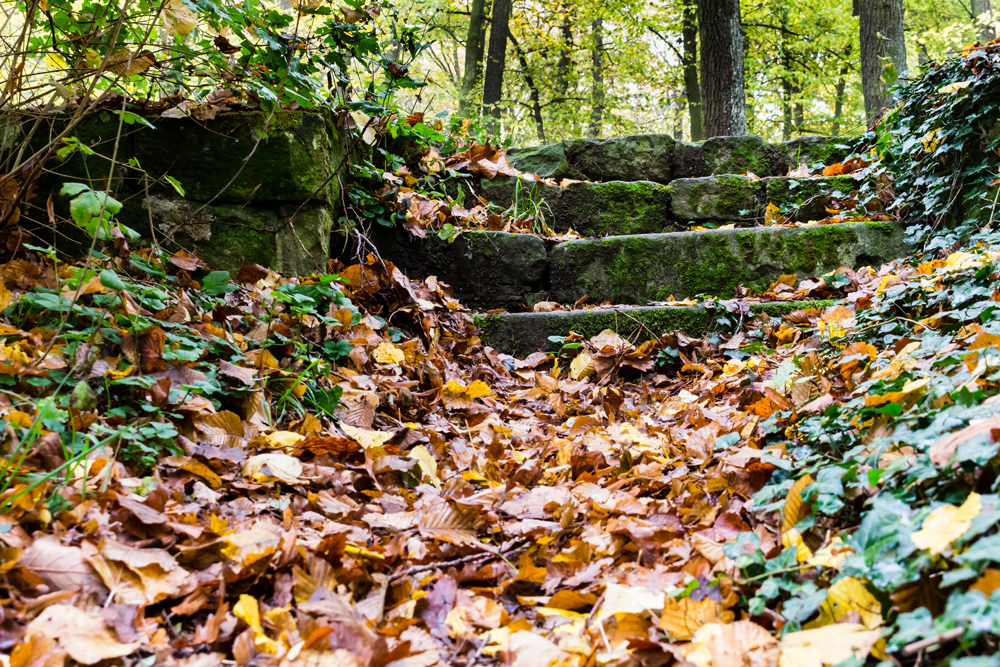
(325, 472)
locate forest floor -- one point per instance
(202, 469)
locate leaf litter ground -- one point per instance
(337, 471)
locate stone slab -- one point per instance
(291, 164)
(547, 161)
(652, 267)
(486, 269)
(520, 334)
(725, 197)
(227, 236)
(638, 157)
(615, 208)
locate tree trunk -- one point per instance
(597, 72)
(882, 43)
(496, 58)
(529, 81)
(982, 12)
(692, 89)
(474, 46)
(723, 100)
(562, 67)
(841, 91)
(786, 89)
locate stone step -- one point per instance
(651, 267)
(520, 334)
(661, 159)
(500, 270)
(619, 208)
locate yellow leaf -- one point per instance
(387, 353)
(682, 617)
(959, 261)
(270, 467)
(794, 509)
(955, 87)
(282, 439)
(196, 468)
(733, 367)
(846, 596)
(930, 141)
(946, 524)
(367, 439)
(582, 366)
(832, 555)
(178, 19)
(454, 395)
(828, 645)
(247, 611)
(428, 465)
(788, 279)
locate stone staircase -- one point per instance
(642, 196)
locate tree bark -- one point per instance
(723, 99)
(882, 42)
(982, 12)
(474, 46)
(597, 72)
(692, 90)
(564, 63)
(496, 58)
(841, 91)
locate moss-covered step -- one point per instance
(615, 208)
(520, 334)
(291, 164)
(638, 157)
(651, 267)
(805, 199)
(725, 197)
(227, 236)
(486, 269)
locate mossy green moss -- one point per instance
(615, 208)
(726, 197)
(638, 269)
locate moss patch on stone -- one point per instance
(724, 197)
(651, 267)
(615, 208)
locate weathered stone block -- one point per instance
(726, 197)
(290, 165)
(520, 334)
(738, 155)
(548, 161)
(689, 161)
(652, 267)
(614, 208)
(805, 199)
(486, 269)
(639, 157)
(226, 236)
